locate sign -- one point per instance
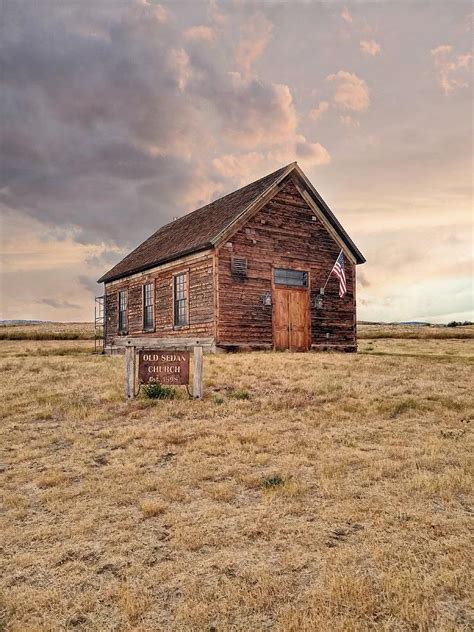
(163, 366)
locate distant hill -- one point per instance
(404, 323)
(12, 323)
(415, 323)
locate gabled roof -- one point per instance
(203, 228)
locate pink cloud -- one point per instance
(201, 33)
(215, 13)
(469, 21)
(349, 121)
(354, 25)
(352, 92)
(256, 34)
(180, 62)
(202, 189)
(311, 154)
(453, 70)
(158, 11)
(346, 15)
(241, 167)
(318, 111)
(266, 123)
(371, 47)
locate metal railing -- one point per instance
(99, 324)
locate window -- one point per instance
(148, 316)
(291, 278)
(180, 299)
(123, 310)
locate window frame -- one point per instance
(122, 325)
(292, 286)
(185, 275)
(147, 326)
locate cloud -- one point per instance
(349, 121)
(105, 258)
(316, 113)
(255, 114)
(311, 154)
(441, 51)
(201, 34)
(57, 304)
(111, 118)
(453, 70)
(245, 167)
(180, 62)
(352, 92)
(371, 47)
(362, 279)
(469, 22)
(256, 34)
(157, 10)
(354, 25)
(88, 283)
(346, 15)
(77, 112)
(215, 13)
(240, 167)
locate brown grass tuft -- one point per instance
(51, 479)
(152, 508)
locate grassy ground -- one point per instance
(304, 493)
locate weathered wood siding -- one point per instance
(200, 302)
(283, 234)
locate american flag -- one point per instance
(338, 270)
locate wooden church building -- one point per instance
(243, 272)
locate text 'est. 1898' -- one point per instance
(163, 367)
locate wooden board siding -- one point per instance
(200, 302)
(282, 234)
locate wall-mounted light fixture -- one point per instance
(267, 299)
(318, 301)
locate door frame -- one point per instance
(306, 290)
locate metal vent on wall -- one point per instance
(238, 266)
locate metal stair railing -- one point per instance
(99, 324)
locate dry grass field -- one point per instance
(85, 331)
(430, 332)
(304, 493)
(48, 331)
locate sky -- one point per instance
(117, 116)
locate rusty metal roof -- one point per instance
(201, 229)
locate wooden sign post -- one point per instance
(130, 372)
(162, 366)
(197, 379)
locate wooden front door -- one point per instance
(291, 319)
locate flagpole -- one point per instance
(329, 275)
